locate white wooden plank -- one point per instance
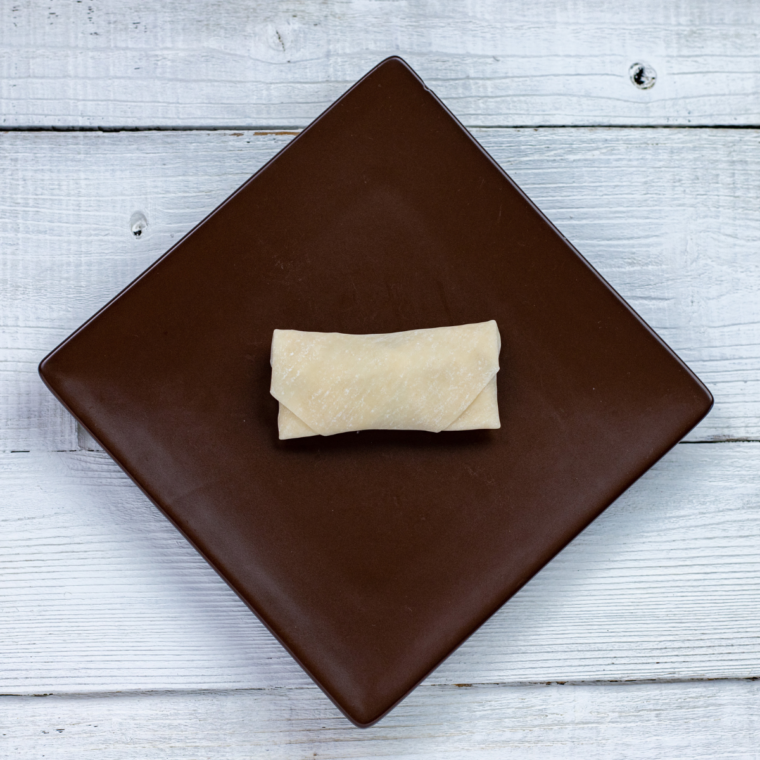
(590, 722)
(99, 593)
(668, 216)
(237, 62)
(30, 416)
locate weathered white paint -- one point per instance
(97, 592)
(100, 593)
(262, 63)
(698, 721)
(669, 216)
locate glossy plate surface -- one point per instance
(372, 556)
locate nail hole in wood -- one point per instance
(642, 75)
(138, 223)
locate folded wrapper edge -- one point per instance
(481, 414)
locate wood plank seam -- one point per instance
(452, 686)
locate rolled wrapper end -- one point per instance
(437, 379)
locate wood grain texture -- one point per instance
(589, 722)
(668, 216)
(258, 63)
(30, 416)
(100, 593)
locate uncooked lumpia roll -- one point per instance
(436, 379)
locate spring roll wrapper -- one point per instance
(436, 379)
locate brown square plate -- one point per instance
(372, 556)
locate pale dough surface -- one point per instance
(442, 378)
